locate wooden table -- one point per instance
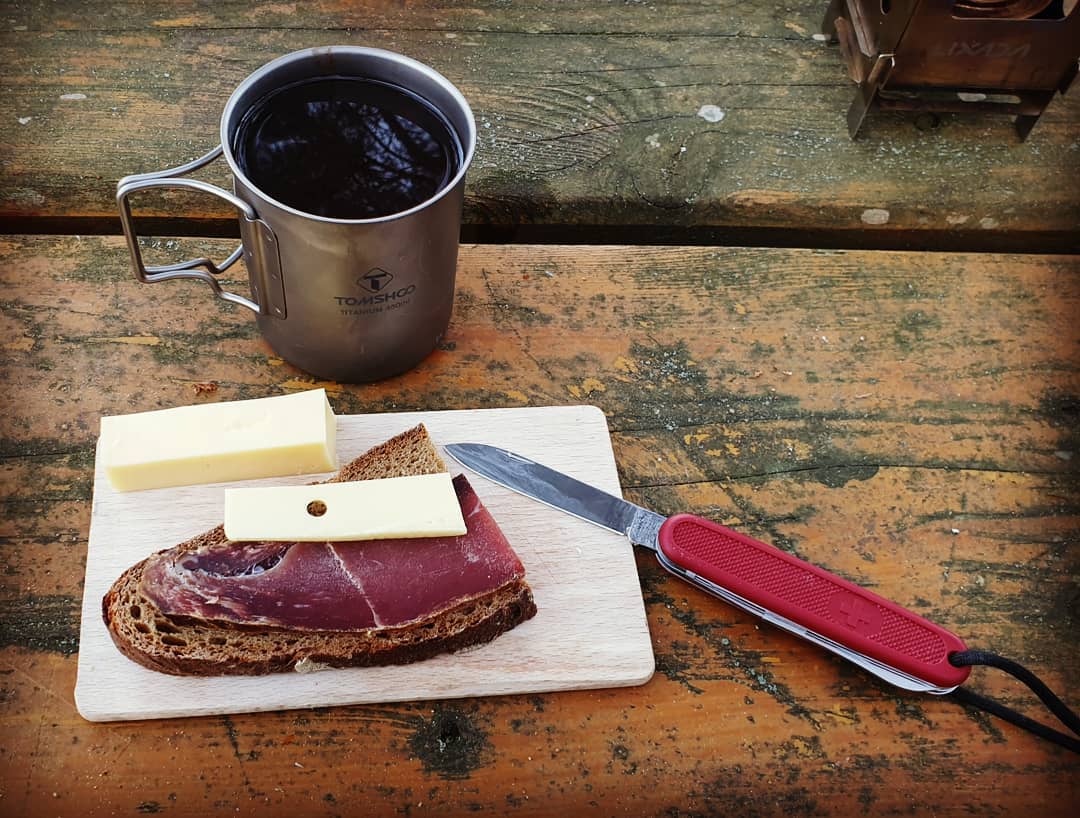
(905, 417)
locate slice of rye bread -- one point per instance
(202, 648)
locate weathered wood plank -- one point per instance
(586, 122)
(907, 420)
(669, 750)
(697, 17)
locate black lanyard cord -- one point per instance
(1054, 704)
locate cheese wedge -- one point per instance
(219, 442)
(423, 505)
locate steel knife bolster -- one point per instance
(880, 636)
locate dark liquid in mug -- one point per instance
(346, 148)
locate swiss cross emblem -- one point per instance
(856, 613)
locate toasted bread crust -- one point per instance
(202, 648)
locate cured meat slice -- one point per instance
(405, 580)
(342, 586)
(289, 585)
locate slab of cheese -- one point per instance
(424, 505)
(219, 442)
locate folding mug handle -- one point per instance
(262, 259)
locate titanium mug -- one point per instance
(350, 300)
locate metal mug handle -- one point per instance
(262, 259)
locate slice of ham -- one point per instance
(341, 586)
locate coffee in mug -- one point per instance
(347, 148)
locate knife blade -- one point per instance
(880, 636)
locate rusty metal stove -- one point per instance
(996, 56)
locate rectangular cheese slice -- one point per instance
(219, 442)
(423, 505)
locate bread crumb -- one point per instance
(308, 665)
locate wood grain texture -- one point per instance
(907, 420)
(589, 116)
(561, 648)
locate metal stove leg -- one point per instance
(1025, 122)
(867, 94)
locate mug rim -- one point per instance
(468, 140)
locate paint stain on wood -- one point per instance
(450, 743)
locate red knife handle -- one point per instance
(812, 598)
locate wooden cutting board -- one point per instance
(590, 630)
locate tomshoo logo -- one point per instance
(376, 282)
